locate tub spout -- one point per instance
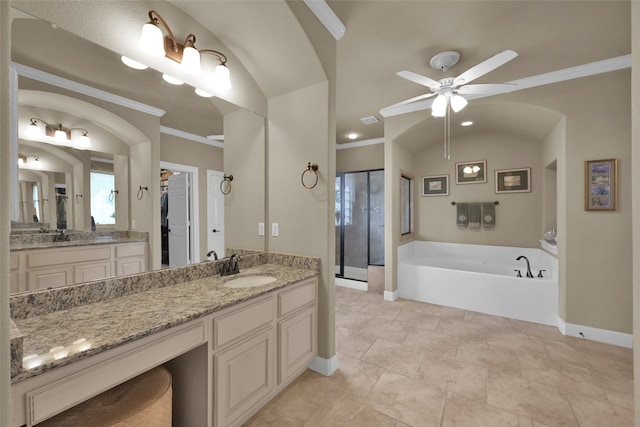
(529, 274)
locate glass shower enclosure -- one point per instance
(359, 223)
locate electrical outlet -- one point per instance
(261, 229)
(274, 229)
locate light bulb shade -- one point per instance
(60, 135)
(152, 40)
(191, 60)
(439, 106)
(172, 80)
(84, 141)
(458, 103)
(203, 93)
(132, 63)
(221, 78)
(33, 131)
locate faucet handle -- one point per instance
(519, 273)
(540, 273)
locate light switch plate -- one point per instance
(261, 229)
(274, 229)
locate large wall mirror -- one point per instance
(60, 184)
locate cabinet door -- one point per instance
(244, 375)
(131, 265)
(42, 278)
(297, 343)
(92, 271)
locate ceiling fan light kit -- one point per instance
(450, 92)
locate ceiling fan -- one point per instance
(454, 92)
(459, 86)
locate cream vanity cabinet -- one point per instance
(260, 348)
(36, 269)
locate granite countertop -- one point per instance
(62, 337)
(21, 242)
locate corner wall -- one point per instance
(299, 133)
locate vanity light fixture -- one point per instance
(471, 169)
(133, 64)
(466, 123)
(155, 43)
(22, 159)
(59, 133)
(203, 93)
(172, 80)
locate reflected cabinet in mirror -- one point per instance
(97, 144)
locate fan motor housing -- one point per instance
(444, 60)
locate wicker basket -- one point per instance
(143, 401)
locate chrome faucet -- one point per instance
(230, 266)
(529, 274)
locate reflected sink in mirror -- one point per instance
(249, 281)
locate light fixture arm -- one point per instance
(158, 21)
(221, 56)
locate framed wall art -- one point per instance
(513, 180)
(471, 172)
(601, 185)
(435, 185)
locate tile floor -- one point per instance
(407, 363)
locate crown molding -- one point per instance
(61, 82)
(329, 19)
(190, 136)
(362, 143)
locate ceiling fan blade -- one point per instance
(484, 67)
(414, 99)
(420, 79)
(396, 110)
(487, 89)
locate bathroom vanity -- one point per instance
(230, 349)
(39, 264)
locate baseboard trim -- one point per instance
(391, 296)
(595, 334)
(323, 366)
(353, 284)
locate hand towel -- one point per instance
(475, 214)
(462, 215)
(488, 215)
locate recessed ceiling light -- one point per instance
(466, 123)
(352, 135)
(133, 64)
(167, 78)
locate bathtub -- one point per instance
(480, 278)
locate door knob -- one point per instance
(215, 231)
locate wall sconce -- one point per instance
(59, 133)
(153, 42)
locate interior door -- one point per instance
(178, 217)
(215, 213)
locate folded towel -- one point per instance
(462, 216)
(475, 214)
(488, 215)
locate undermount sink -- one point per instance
(249, 281)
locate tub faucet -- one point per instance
(529, 274)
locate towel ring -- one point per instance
(227, 179)
(141, 193)
(310, 168)
(78, 197)
(112, 195)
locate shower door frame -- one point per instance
(340, 262)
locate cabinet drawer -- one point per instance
(242, 321)
(301, 295)
(65, 257)
(130, 250)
